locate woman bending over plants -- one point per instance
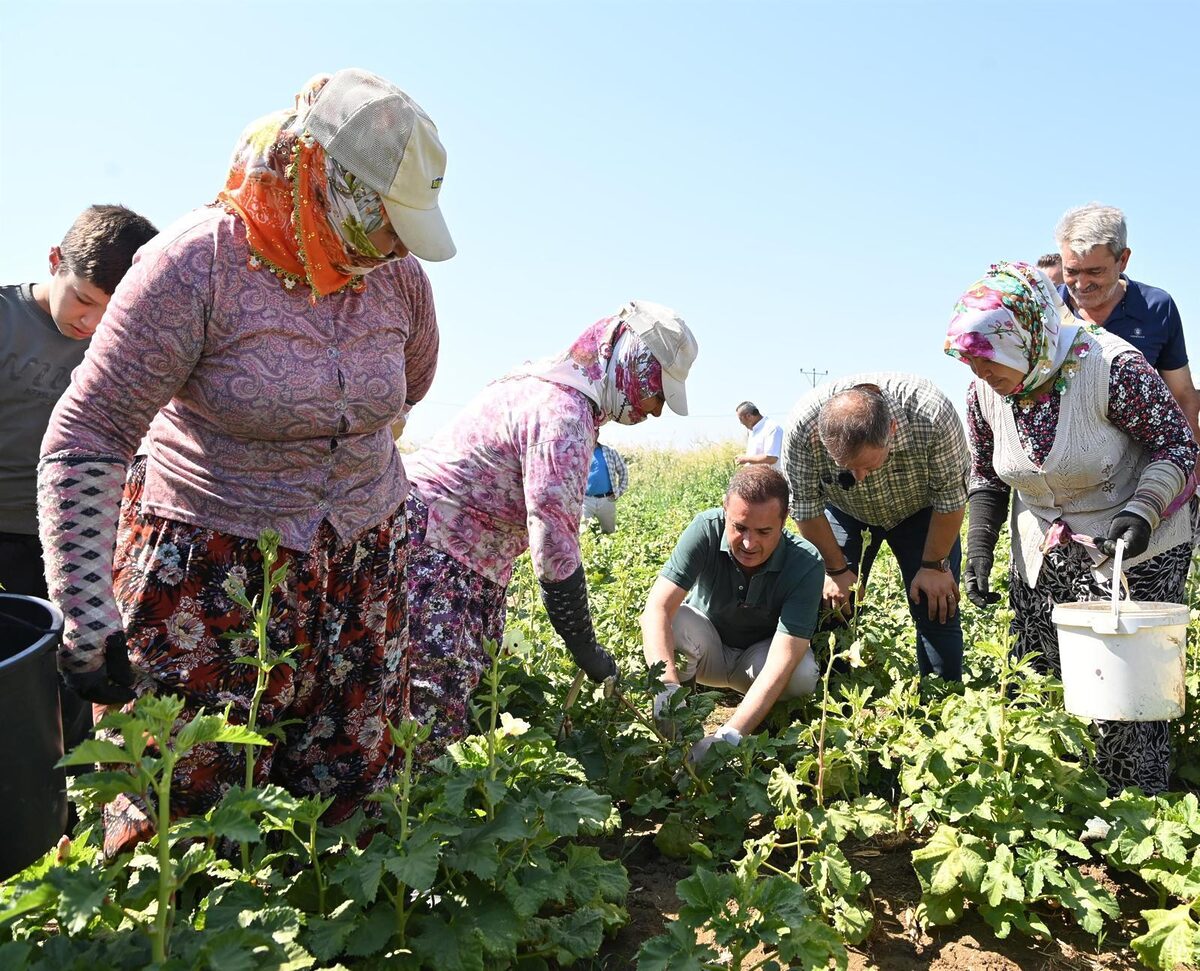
(508, 474)
(263, 344)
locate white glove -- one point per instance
(662, 703)
(723, 734)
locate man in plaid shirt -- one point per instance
(885, 453)
(607, 481)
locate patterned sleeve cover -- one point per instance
(151, 337)
(555, 470)
(979, 436)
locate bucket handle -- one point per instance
(1118, 580)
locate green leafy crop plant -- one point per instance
(507, 850)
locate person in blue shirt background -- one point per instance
(1092, 242)
(607, 481)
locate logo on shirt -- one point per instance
(1137, 332)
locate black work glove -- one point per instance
(987, 509)
(1130, 527)
(596, 663)
(567, 605)
(112, 682)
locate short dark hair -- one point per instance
(854, 419)
(757, 483)
(100, 244)
(747, 408)
(1050, 259)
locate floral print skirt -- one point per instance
(343, 613)
(453, 610)
(1127, 753)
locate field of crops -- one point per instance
(880, 823)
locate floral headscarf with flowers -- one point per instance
(307, 218)
(1015, 317)
(608, 363)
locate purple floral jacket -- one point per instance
(263, 409)
(509, 474)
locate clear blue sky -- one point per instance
(810, 184)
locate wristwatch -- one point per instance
(942, 565)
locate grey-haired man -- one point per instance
(1092, 242)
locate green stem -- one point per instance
(820, 788)
(316, 864)
(783, 873)
(166, 871)
(406, 789)
(687, 766)
(262, 619)
(493, 718)
(401, 912)
(1005, 672)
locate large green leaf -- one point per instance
(705, 893)
(1171, 938)
(326, 936)
(1087, 900)
(42, 895)
(950, 861)
(591, 878)
(447, 945)
(97, 751)
(415, 863)
(676, 950)
(532, 888)
(358, 872)
(372, 933)
(565, 810)
(999, 881)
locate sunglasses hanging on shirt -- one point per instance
(844, 478)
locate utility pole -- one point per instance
(813, 375)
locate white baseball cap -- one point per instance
(377, 132)
(669, 340)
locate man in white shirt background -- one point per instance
(765, 441)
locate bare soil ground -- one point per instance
(896, 943)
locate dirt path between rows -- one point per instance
(896, 943)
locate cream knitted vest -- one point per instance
(1092, 469)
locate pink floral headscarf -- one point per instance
(611, 365)
(1015, 317)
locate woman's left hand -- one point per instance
(1130, 527)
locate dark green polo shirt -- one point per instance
(784, 594)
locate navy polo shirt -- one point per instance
(784, 594)
(1148, 318)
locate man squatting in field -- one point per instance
(738, 602)
(885, 453)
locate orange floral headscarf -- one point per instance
(307, 218)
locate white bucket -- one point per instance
(1122, 661)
